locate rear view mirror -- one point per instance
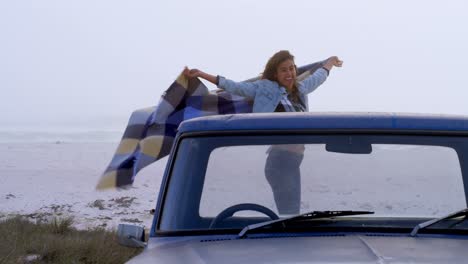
(131, 235)
(349, 145)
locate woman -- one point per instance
(278, 91)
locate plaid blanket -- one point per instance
(151, 131)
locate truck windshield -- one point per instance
(393, 176)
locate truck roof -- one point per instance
(329, 120)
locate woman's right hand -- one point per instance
(191, 73)
(195, 73)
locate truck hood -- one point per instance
(317, 249)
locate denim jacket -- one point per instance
(267, 94)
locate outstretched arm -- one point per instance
(331, 62)
(246, 89)
(193, 73)
(319, 76)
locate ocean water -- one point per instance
(60, 135)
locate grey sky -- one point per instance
(90, 63)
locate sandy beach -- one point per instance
(42, 180)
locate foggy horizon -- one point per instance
(90, 64)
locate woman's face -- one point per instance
(286, 74)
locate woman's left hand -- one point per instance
(333, 61)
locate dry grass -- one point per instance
(58, 242)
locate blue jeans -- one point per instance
(284, 176)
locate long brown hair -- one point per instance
(272, 66)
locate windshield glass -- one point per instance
(394, 176)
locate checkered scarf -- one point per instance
(151, 131)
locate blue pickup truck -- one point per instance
(314, 188)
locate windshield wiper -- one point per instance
(305, 216)
(415, 230)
